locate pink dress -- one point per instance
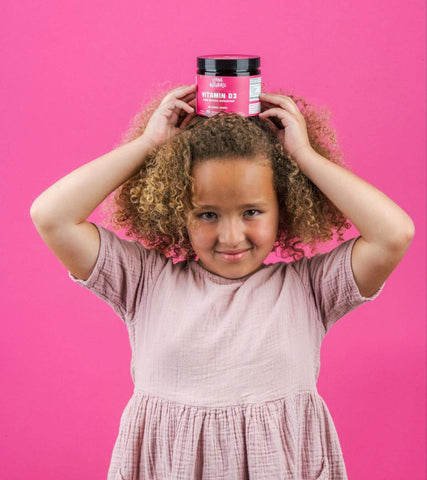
(224, 370)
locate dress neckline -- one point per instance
(218, 278)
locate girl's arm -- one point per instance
(386, 230)
(379, 220)
(59, 213)
(74, 197)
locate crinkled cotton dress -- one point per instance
(224, 370)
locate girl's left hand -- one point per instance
(294, 136)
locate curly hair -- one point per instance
(153, 206)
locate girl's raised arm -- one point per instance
(74, 197)
(60, 212)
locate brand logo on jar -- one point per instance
(217, 82)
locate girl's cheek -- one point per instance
(202, 234)
(208, 235)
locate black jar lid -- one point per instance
(228, 62)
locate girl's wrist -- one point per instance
(302, 152)
(145, 142)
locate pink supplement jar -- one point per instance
(228, 83)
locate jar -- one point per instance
(228, 83)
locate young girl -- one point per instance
(225, 348)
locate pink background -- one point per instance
(73, 76)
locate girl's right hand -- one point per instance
(162, 124)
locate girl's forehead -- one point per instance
(228, 181)
(219, 168)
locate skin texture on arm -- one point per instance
(386, 230)
(59, 213)
(74, 197)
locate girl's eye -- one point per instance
(202, 215)
(206, 213)
(252, 211)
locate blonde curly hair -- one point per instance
(154, 205)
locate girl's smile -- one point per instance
(233, 256)
(234, 226)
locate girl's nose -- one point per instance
(231, 233)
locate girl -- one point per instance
(225, 348)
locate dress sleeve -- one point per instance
(122, 271)
(329, 278)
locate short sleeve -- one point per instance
(122, 272)
(329, 278)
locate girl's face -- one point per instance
(237, 210)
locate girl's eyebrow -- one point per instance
(246, 205)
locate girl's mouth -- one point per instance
(233, 257)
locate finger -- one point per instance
(265, 100)
(192, 103)
(184, 90)
(272, 97)
(292, 100)
(189, 97)
(176, 103)
(278, 116)
(187, 120)
(184, 87)
(184, 95)
(266, 106)
(281, 100)
(186, 99)
(275, 112)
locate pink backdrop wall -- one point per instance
(73, 75)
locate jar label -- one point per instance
(228, 94)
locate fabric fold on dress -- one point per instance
(275, 439)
